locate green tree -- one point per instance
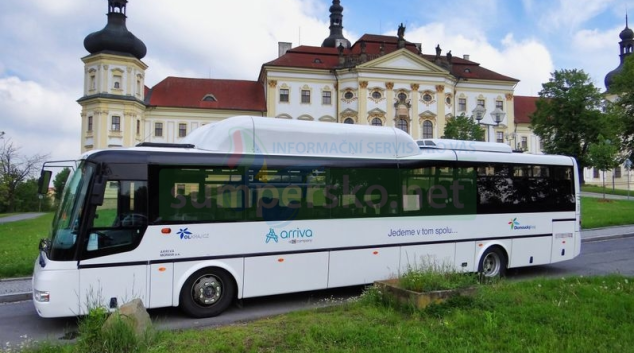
(27, 198)
(569, 116)
(604, 155)
(59, 182)
(463, 128)
(623, 88)
(15, 168)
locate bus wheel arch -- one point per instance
(493, 262)
(208, 292)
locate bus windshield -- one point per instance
(65, 225)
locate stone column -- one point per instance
(389, 97)
(440, 111)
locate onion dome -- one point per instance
(336, 28)
(627, 47)
(115, 37)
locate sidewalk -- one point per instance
(19, 289)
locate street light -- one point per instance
(498, 115)
(478, 113)
(628, 167)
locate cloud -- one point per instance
(39, 120)
(527, 60)
(207, 39)
(568, 15)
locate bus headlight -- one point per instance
(41, 296)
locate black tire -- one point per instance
(208, 292)
(493, 263)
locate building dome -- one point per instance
(336, 37)
(115, 37)
(626, 34)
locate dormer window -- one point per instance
(209, 98)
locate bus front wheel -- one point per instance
(206, 293)
(492, 263)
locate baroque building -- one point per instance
(377, 80)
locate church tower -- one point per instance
(626, 46)
(114, 84)
(336, 37)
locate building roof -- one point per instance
(310, 57)
(524, 107)
(207, 93)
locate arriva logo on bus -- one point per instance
(294, 234)
(515, 225)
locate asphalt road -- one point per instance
(19, 217)
(19, 322)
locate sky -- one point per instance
(41, 41)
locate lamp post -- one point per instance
(628, 167)
(478, 114)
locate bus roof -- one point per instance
(261, 135)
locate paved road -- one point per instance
(20, 217)
(608, 196)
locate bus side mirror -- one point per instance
(98, 190)
(43, 182)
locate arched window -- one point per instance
(377, 122)
(348, 121)
(428, 129)
(402, 124)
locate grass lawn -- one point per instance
(597, 213)
(575, 314)
(608, 190)
(18, 245)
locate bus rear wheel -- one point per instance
(492, 263)
(206, 293)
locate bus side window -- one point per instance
(121, 220)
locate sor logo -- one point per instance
(515, 225)
(185, 234)
(293, 235)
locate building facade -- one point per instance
(377, 80)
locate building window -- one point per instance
(499, 105)
(427, 97)
(499, 136)
(617, 172)
(326, 98)
(348, 95)
(377, 122)
(138, 127)
(89, 128)
(462, 104)
(448, 99)
(116, 82)
(402, 124)
(428, 129)
(376, 95)
(524, 143)
(182, 130)
(158, 129)
(305, 96)
(402, 97)
(284, 95)
(348, 121)
(116, 123)
(595, 173)
(480, 102)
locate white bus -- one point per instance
(254, 206)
